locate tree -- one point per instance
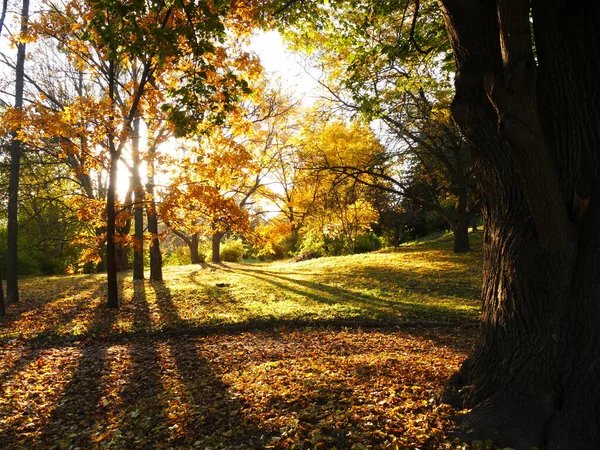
(534, 127)
(12, 287)
(533, 124)
(341, 210)
(391, 70)
(167, 41)
(226, 168)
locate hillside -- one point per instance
(423, 282)
(335, 353)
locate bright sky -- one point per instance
(285, 65)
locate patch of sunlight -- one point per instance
(175, 394)
(118, 365)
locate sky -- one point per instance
(285, 65)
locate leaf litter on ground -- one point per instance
(74, 374)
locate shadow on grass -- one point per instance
(217, 418)
(370, 306)
(40, 311)
(139, 394)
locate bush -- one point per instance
(367, 242)
(232, 250)
(202, 255)
(179, 257)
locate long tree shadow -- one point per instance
(216, 417)
(80, 406)
(39, 313)
(141, 396)
(375, 307)
(406, 280)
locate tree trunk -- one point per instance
(12, 286)
(461, 234)
(155, 254)
(121, 249)
(216, 246)
(111, 254)
(461, 229)
(138, 200)
(2, 307)
(532, 377)
(195, 255)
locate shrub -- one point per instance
(232, 250)
(179, 257)
(202, 255)
(367, 242)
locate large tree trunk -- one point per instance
(216, 246)
(532, 379)
(12, 287)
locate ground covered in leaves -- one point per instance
(345, 389)
(242, 356)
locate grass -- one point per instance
(424, 283)
(74, 374)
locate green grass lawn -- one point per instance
(422, 282)
(258, 362)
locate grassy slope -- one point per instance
(419, 282)
(281, 388)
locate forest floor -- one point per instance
(345, 353)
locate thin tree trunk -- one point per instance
(111, 256)
(121, 249)
(138, 199)
(12, 285)
(216, 246)
(2, 307)
(155, 254)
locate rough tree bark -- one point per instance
(12, 286)
(532, 379)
